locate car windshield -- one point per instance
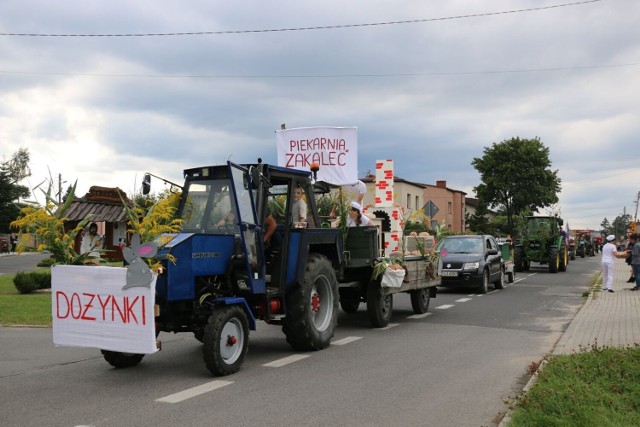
(462, 246)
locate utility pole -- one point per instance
(635, 218)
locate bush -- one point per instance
(47, 262)
(24, 283)
(42, 278)
(27, 282)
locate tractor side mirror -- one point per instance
(146, 184)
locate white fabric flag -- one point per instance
(90, 309)
(334, 149)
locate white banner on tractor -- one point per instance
(334, 149)
(90, 309)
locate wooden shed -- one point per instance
(109, 214)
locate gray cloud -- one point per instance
(430, 95)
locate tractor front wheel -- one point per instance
(226, 339)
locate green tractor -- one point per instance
(543, 242)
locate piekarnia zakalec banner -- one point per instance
(90, 309)
(333, 149)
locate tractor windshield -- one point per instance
(209, 206)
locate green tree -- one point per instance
(479, 221)
(620, 225)
(606, 225)
(11, 172)
(516, 175)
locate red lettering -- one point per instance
(87, 307)
(128, 308)
(75, 299)
(144, 312)
(66, 300)
(114, 307)
(103, 305)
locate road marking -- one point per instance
(389, 326)
(463, 300)
(444, 307)
(193, 392)
(346, 340)
(285, 361)
(419, 316)
(532, 274)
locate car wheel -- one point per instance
(484, 286)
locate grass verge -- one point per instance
(600, 387)
(23, 309)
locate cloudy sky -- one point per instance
(427, 84)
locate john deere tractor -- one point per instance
(543, 242)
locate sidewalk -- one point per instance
(606, 319)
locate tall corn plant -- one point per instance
(157, 223)
(47, 223)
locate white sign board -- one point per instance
(334, 149)
(90, 309)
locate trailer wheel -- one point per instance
(349, 300)
(420, 300)
(226, 339)
(379, 305)
(312, 307)
(499, 284)
(349, 305)
(121, 360)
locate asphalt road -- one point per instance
(456, 366)
(13, 263)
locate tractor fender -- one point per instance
(235, 301)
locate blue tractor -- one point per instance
(226, 277)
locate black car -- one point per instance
(470, 260)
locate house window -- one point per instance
(408, 201)
(449, 207)
(417, 202)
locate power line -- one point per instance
(324, 76)
(323, 27)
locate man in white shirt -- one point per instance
(609, 255)
(91, 242)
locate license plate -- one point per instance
(449, 274)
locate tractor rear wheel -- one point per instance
(554, 260)
(312, 307)
(226, 339)
(518, 259)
